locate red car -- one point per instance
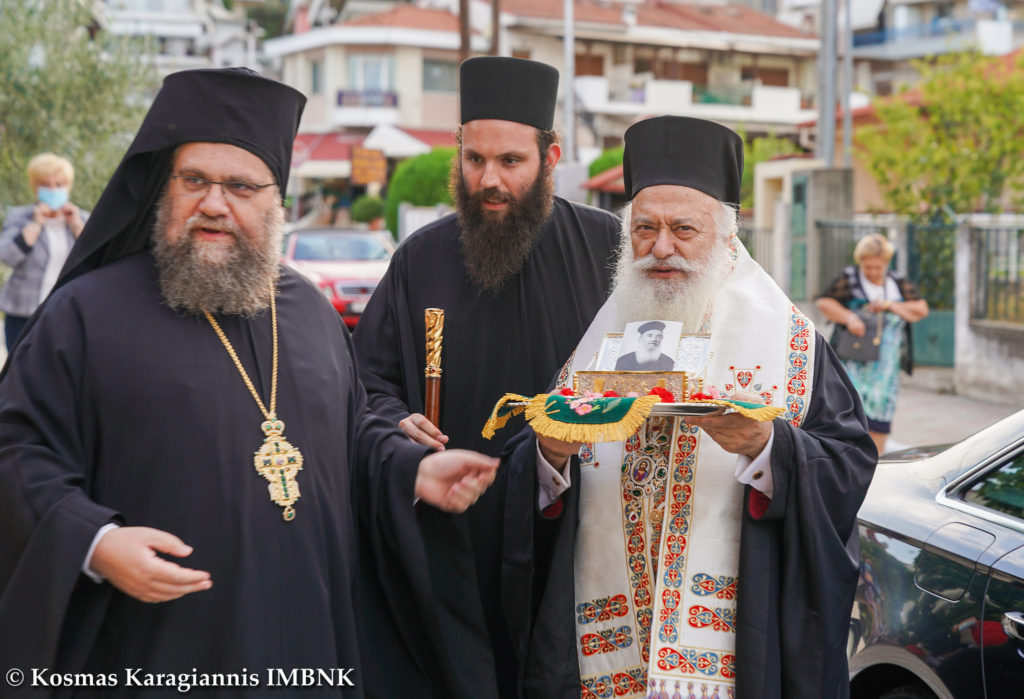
(345, 264)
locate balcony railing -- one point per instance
(942, 27)
(367, 98)
(724, 94)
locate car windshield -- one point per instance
(324, 247)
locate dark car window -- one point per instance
(1002, 489)
(329, 247)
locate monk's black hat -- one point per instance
(683, 151)
(231, 105)
(223, 105)
(510, 89)
(651, 325)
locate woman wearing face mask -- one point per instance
(36, 240)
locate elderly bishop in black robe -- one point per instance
(183, 423)
(519, 273)
(703, 556)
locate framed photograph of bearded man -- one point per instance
(649, 345)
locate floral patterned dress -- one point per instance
(878, 382)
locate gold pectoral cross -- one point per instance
(279, 462)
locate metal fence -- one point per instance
(998, 268)
(758, 242)
(836, 240)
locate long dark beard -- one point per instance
(495, 246)
(196, 280)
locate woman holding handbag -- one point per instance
(873, 308)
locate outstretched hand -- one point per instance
(454, 479)
(127, 558)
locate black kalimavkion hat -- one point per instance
(510, 89)
(683, 151)
(225, 105)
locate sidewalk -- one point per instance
(927, 413)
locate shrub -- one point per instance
(421, 181)
(367, 208)
(608, 159)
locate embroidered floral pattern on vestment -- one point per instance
(602, 609)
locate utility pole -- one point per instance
(495, 27)
(464, 46)
(570, 83)
(847, 84)
(826, 138)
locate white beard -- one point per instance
(685, 300)
(645, 355)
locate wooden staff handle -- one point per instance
(434, 320)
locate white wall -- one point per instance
(989, 355)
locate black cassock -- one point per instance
(114, 408)
(798, 569)
(514, 341)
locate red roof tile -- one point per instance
(409, 16)
(662, 13)
(324, 146)
(432, 138)
(608, 181)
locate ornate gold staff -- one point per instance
(434, 318)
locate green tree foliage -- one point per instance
(421, 181)
(67, 87)
(607, 160)
(270, 16)
(951, 146)
(366, 208)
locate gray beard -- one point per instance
(494, 249)
(196, 278)
(686, 300)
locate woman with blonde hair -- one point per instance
(36, 239)
(858, 292)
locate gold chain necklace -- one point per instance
(277, 460)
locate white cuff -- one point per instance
(757, 472)
(552, 482)
(87, 565)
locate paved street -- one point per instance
(927, 415)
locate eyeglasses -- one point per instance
(196, 186)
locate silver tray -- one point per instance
(668, 409)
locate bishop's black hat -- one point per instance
(224, 105)
(510, 89)
(683, 151)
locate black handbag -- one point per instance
(864, 348)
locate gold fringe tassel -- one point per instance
(765, 413)
(537, 416)
(494, 422)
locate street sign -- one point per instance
(368, 166)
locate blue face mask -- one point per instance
(54, 197)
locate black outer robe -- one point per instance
(515, 341)
(801, 557)
(114, 408)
